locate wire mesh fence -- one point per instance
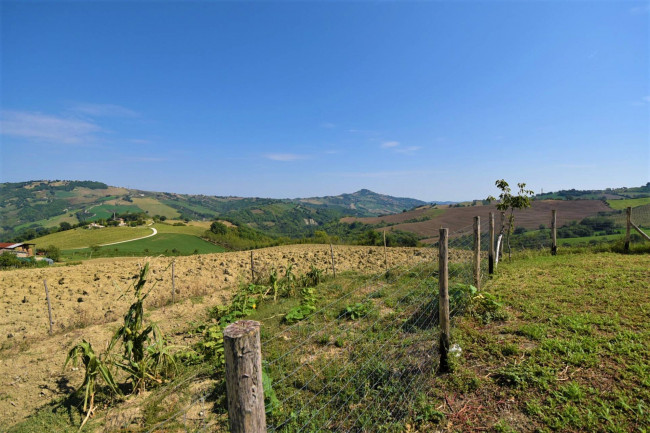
(369, 349)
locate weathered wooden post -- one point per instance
(49, 306)
(553, 232)
(477, 252)
(173, 282)
(491, 249)
(332, 253)
(244, 389)
(628, 212)
(252, 268)
(443, 304)
(385, 254)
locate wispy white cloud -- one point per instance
(641, 103)
(328, 125)
(639, 10)
(46, 127)
(408, 149)
(145, 159)
(285, 156)
(367, 132)
(139, 141)
(102, 110)
(397, 147)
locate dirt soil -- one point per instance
(460, 220)
(86, 304)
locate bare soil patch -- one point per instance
(458, 218)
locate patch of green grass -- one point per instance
(153, 206)
(83, 237)
(628, 202)
(573, 355)
(186, 229)
(105, 211)
(59, 416)
(162, 243)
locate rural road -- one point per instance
(155, 232)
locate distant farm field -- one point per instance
(155, 207)
(462, 217)
(162, 243)
(628, 202)
(191, 228)
(590, 239)
(83, 237)
(106, 211)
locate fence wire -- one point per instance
(344, 373)
(366, 355)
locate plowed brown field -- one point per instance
(86, 304)
(462, 217)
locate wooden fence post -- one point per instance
(332, 253)
(443, 304)
(628, 212)
(385, 254)
(173, 282)
(477, 252)
(49, 306)
(244, 389)
(252, 268)
(491, 249)
(554, 232)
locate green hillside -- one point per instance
(36, 208)
(161, 244)
(597, 194)
(82, 237)
(630, 202)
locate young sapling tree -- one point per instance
(508, 202)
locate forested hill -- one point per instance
(597, 194)
(37, 205)
(366, 201)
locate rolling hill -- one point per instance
(43, 204)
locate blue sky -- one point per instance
(432, 100)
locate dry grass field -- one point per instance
(86, 304)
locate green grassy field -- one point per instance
(599, 239)
(162, 243)
(155, 207)
(51, 222)
(188, 229)
(573, 355)
(105, 211)
(629, 202)
(83, 237)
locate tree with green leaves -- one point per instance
(218, 228)
(508, 202)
